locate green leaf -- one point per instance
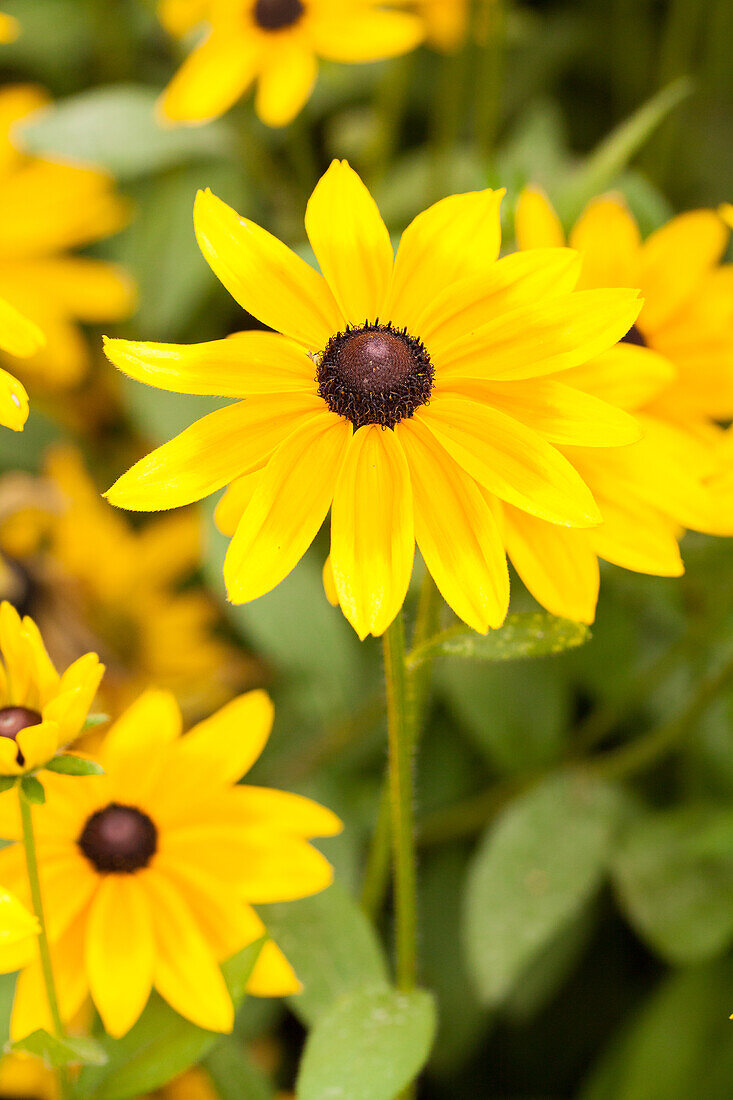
(369, 1046)
(161, 1044)
(115, 128)
(678, 898)
(33, 790)
(69, 1051)
(331, 946)
(600, 169)
(525, 634)
(535, 868)
(93, 720)
(69, 764)
(234, 1074)
(7, 781)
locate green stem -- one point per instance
(400, 744)
(44, 951)
(376, 873)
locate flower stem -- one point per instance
(44, 951)
(400, 744)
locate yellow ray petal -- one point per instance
(250, 362)
(212, 452)
(536, 225)
(456, 531)
(372, 536)
(674, 259)
(289, 505)
(636, 536)
(211, 79)
(18, 335)
(609, 241)
(13, 402)
(560, 413)
(233, 504)
(264, 276)
(222, 748)
(120, 952)
(286, 81)
(273, 976)
(455, 239)
(511, 461)
(359, 34)
(89, 290)
(543, 337)
(280, 811)
(30, 1005)
(627, 376)
(9, 28)
(38, 744)
(134, 742)
(180, 16)
(351, 243)
(558, 565)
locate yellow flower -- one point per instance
(150, 871)
(40, 711)
(401, 391)
(89, 578)
(277, 43)
(50, 208)
(180, 16)
(9, 28)
(18, 931)
(20, 337)
(672, 370)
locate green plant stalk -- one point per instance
(44, 951)
(400, 783)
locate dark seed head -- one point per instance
(633, 336)
(119, 839)
(15, 719)
(275, 15)
(375, 374)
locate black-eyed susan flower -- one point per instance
(22, 338)
(277, 45)
(150, 871)
(50, 208)
(398, 393)
(91, 580)
(672, 370)
(40, 710)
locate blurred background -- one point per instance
(621, 988)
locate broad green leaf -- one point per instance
(675, 1045)
(536, 866)
(55, 1052)
(331, 946)
(68, 764)
(32, 789)
(525, 634)
(234, 1074)
(115, 127)
(161, 1044)
(600, 169)
(679, 899)
(369, 1046)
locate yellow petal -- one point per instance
(134, 742)
(9, 29)
(233, 504)
(543, 337)
(289, 505)
(560, 413)
(180, 16)
(674, 259)
(455, 239)
(250, 362)
(38, 744)
(120, 952)
(636, 536)
(264, 276)
(511, 461)
(89, 290)
(536, 225)
(212, 452)
(286, 81)
(282, 811)
(609, 241)
(222, 748)
(30, 1005)
(13, 402)
(186, 973)
(627, 376)
(363, 35)
(456, 531)
(351, 243)
(17, 924)
(273, 976)
(18, 335)
(329, 583)
(558, 566)
(211, 79)
(372, 536)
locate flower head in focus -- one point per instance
(40, 711)
(403, 395)
(150, 871)
(672, 370)
(50, 208)
(277, 45)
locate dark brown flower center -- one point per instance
(275, 15)
(15, 719)
(375, 374)
(633, 336)
(119, 839)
